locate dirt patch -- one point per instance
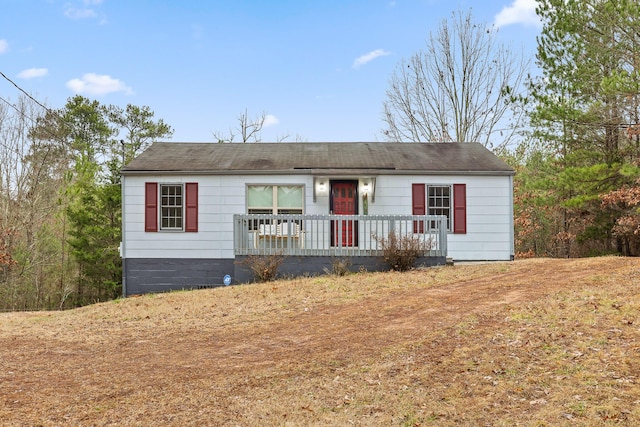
(491, 344)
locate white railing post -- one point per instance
(331, 235)
(443, 236)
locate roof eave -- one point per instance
(321, 172)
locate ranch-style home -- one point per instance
(192, 212)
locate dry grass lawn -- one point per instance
(541, 342)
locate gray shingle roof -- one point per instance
(318, 158)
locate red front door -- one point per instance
(344, 201)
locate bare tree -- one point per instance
(461, 88)
(249, 130)
(31, 178)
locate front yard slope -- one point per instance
(531, 342)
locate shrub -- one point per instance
(264, 267)
(401, 252)
(339, 267)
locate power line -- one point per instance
(31, 119)
(25, 92)
(47, 109)
(23, 114)
(18, 110)
(56, 114)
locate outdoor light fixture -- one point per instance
(369, 187)
(318, 187)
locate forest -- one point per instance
(577, 171)
(60, 200)
(572, 134)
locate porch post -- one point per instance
(443, 235)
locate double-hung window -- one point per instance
(447, 200)
(439, 201)
(171, 207)
(274, 199)
(171, 213)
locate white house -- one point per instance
(191, 210)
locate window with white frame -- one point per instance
(439, 201)
(274, 199)
(447, 200)
(171, 213)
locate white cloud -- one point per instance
(4, 46)
(270, 120)
(84, 11)
(361, 60)
(95, 84)
(33, 73)
(519, 12)
(75, 13)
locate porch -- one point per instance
(335, 235)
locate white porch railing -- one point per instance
(334, 235)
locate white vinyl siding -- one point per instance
(489, 212)
(219, 198)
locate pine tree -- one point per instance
(585, 99)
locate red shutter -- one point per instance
(460, 208)
(191, 207)
(151, 206)
(419, 206)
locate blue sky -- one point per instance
(319, 68)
